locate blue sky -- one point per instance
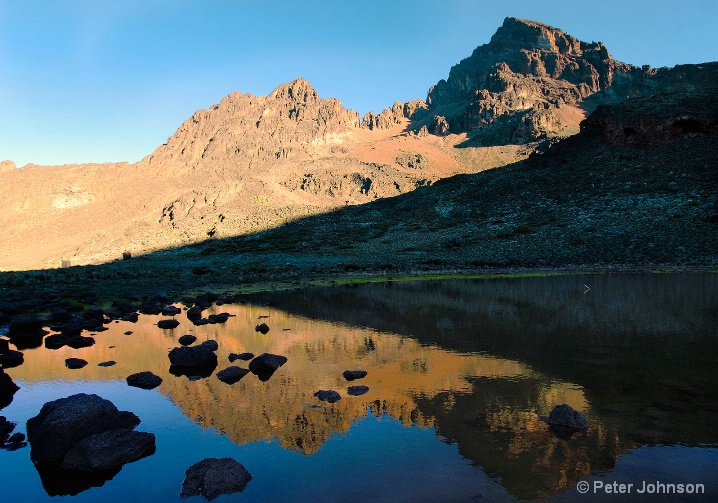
(97, 81)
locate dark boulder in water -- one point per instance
(75, 363)
(144, 380)
(170, 310)
(357, 390)
(109, 363)
(213, 477)
(193, 360)
(194, 313)
(567, 417)
(328, 395)
(64, 422)
(263, 328)
(109, 449)
(187, 339)
(231, 375)
(168, 324)
(218, 318)
(351, 375)
(26, 326)
(10, 358)
(7, 389)
(211, 344)
(267, 362)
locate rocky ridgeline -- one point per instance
(512, 89)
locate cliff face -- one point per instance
(531, 80)
(243, 128)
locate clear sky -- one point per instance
(97, 81)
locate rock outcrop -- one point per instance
(522, 85)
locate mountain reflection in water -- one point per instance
(478, 361)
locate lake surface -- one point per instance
(459, 372)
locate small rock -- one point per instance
(107, 363)
(170, 311)
(351, 375)
(231, 375)
(357, 390)
(267, 362)
(329, 395)
(11, 358)
(132, 317)
(129, 332)
(194, 313)
(263, 328)
(78, 341)
(75, 363)
(211, 344)
(212, 477)
(566, 416)
(186, 340)
(168, 324)
(193, 356)
(241, 356)
(16, 438)
(144, 380)
(218, 318)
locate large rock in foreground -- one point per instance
(63, 424)
(109, 450)
(196, 356)
(212, 477)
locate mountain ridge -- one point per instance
(250, 162)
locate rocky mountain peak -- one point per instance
(299, 90)
(522, 34)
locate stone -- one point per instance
(231, 375)
(78, 341)
(329, 395)
(16, 438)
(75, 363)
(566, 416)
(267, 362)
(26, 326)
(144, 380)
(7, 389)
(64, 422)
(351, 375)
(357, 390)
(170, 311)
(11, 358)
(187, 339)
(6, 428)
(109, 449)
(194, 356)
(168, 324)
(213, 477)
(109, 363)
(218, 318)
(131, 317)
(240, 356)
(211, 344)
(263, 328)
(194, 313)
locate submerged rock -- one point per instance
(351, 375)
(75, 363)
(263, 328)
(109, 363)
(231, 375)
(144, 380)
(357, 390)
(212, 477)
(566, 416)
(328, 395)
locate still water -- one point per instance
(459, 372)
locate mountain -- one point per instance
(252, 163)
